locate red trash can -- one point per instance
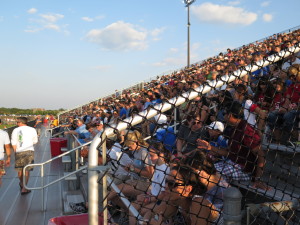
(56, 144)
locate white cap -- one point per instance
(216, 125)
(161, 119)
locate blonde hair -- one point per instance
(135, 136)
(294, 70)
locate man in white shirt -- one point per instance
(23, 139)
(291, 60)
(4, 145)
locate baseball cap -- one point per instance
(161, 119)
(216, 125)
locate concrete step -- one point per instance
(70, 178)
(71, 196)
(64, 149)
(66, 159)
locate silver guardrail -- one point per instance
(42, 187)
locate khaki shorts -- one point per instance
(22, 159)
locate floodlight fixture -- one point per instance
(188, 2)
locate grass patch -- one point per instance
(3, 126)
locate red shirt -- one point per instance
(278, 101)
(294, 93)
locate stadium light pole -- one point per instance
(187, 4)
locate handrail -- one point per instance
(42, 187)
(162, 107)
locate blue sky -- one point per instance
(60, 54)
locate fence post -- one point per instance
(232, 206)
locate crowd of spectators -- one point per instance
(181, 175)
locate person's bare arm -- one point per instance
(217, 151)
(8, 154)
(259, 168)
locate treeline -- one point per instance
(17, 111)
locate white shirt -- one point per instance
(4, 140)
(159, 179)
(24, 137)
(249, 116)
(287, 65)
(119, 160)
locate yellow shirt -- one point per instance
(55, 122)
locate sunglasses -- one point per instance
(172, 184)
(197, 122)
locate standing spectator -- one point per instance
(38, 124)
(4, 143)
(23, 139)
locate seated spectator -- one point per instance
(245, 158)
(286, 116)
(114, 118)
(118, 162)
(81, 132)
(145, 202)
(207, 175)
(213, 135)
(183, 197)
(291, 60)
(141, 169)
(165, 134)
(188, 134)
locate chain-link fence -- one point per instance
(188, 140)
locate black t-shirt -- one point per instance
(190, 137)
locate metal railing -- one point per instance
(42, 165)
(99, 139)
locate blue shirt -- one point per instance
(123, 111)
(167, 137)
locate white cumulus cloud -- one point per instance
(87, 19)
(52, 17)
(220, 14)
(267, 17)
(49, 21)
(32, 11)
(119, 36)
(52, 27)
(265, 4)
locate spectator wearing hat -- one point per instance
(165, 134)
(213, 136)
(245, 159)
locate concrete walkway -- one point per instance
(17, 209)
